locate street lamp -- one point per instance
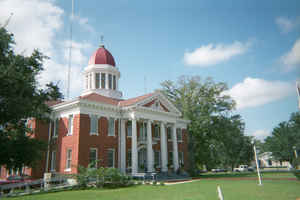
(256, 161)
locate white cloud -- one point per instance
(213, 54)
(78, 56)
(260, 134)
(287, 25)
(83, 22)
(291, 59)
(253, 92)
(35, 24)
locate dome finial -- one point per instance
(101, 40)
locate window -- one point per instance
(169, 133)
(129, 129)
(180, 158)
(156, 158)
(86, 82)
(270, 162)
(56, 126)
(170, 158)
(90, 82)
(114, 82)
(111, 127)
(70, 125)
(94, 125)
(53, 161)
(109, 81)
(156, 131)
(111, 157)
(93, 157)
(97, 80)
(179, 134)
(102, 80)
(128, 158)
(143, 131)
(69, 159)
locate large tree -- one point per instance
(215, 135)
(285, 137)
(21, 98)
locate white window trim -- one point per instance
(97, 125)
(70, 132)
(113, 131)
(114, 152)
(155, 137)
(129, 136)
(53, 167)
(93, 148)
(55, 134)
(69, 168)
(180, 132)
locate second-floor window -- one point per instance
(129, 129)
(179, 134)
(94, 125)
(70, 125)
(156, 131)
(56, 127)
(111, 127)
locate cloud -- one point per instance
(260, 134)
(213, 54)
(287, 25)
(78, 48)
(83, 22)
(253, 92)
(291, 59)
(36, 24)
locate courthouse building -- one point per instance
(144, 133)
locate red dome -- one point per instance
(102, 56)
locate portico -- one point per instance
(142, 136)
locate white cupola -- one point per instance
(101, 76)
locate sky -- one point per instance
(253, 46)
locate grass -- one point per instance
(204, 189)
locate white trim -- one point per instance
(114, 156)
(68, 168)
(70, 125)
(53, 166)
(94, 148)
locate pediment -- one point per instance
(158, 102)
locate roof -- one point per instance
(99, 98)
(52, 103)
(102, 56)
(132, 101)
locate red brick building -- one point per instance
(138, 134)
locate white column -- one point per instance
(117, 83)
(163, 147)
(106, 81)
(149, 147)
(134, 153)
(123, 146)
(93, 80)
(175, 148)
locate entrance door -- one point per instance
(142, 160)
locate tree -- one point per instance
(212, 127)
(20, 99)
(285, 136)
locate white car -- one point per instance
(241, 168)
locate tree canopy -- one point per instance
(285, 139)
(216, 136)
(21, 98)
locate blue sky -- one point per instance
(253, 46)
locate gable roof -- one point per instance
(99, 98)
(135, 100)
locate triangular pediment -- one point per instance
(158, 102)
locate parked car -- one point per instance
(218, 170)
(241, 168)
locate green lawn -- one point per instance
(204, 189)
